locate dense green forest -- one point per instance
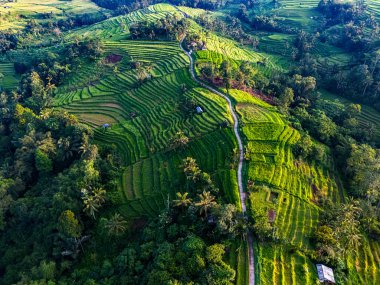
(189, 142)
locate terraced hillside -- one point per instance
(117, 27)
(217, 46)
(295, 13)
(369, 118)
(286, 189)
(138, 95)
(32, 9)
(374, 7)
(144, 116)
(9, 79)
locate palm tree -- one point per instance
(91, 206)
(116, 225)
(182, 200)
(99, 195)
(191, 169)
(65, 144)
(45, 114)
(206, 201)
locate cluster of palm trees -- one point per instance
(205, 202)
(228, 220)
(340, 230)
(93, 199)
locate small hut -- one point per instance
(325, 274)
(199, 110)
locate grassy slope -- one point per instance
(368, 116)
(291, 194)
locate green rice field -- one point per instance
(368, 116)
(145, 114)
(15, 15)
(9, 79)
(144, 117)
(292, 188)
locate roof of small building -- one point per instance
(325, 273)
(199, 109)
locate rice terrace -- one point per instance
(189, 142)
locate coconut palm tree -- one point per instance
(191, 169)
(99, 195)
(45, 114)
(91, 206)
(182, 200)
(206, 201)
(64, 143)
(116, 225)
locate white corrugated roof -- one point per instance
(325, 273)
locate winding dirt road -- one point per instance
(241, 158)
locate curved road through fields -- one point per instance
(241, 158)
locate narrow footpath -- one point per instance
(241, 158)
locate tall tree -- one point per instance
(206, 201)
(182, 200)
(116, 225)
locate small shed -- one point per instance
(106, 126)
(199, 110)
(325, 274)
